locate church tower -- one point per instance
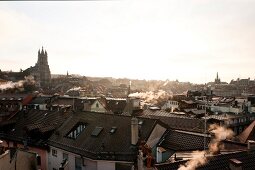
(217, 80)
(43, 69)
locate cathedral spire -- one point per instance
(42, 51)
(39, 51)
(217, 80)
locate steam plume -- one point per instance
(74, 89)
(199, 157)
(151, 97)
(12, 85)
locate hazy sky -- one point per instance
(186, 40)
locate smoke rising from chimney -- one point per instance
(199, 158)
(74, 89)
(19, 84)
(151, 96)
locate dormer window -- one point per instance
(76, 130)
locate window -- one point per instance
(65, 156)
(54, 152)
(78, 163)
(76, 130)
(97, 105)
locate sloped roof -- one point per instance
(248, 133)
(184, 141)
(29, 120)
(175, 121)
(40, 100)
(218, 162)
(116, 146)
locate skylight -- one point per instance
(113, 129)
(76, 130)
(97, 131)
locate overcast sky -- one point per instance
(188, 40)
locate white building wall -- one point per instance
(100, 108)
(55, 161)
(105, 165)
(171, 104)
(42, 106)
(225, 109)
(252, 109)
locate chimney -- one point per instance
(251, 145)
(160, 152)
(134, 130)
(140, 160)
(1, 147)
(235, 164)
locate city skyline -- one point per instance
(184, 40)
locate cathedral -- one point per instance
(41, 70)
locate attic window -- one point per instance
(113, 129)
(76, 130)
(97, 131)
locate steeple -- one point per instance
(42, 51)
(217, 80)
(39, 51)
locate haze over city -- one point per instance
(184, 40)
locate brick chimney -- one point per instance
(134, 130)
